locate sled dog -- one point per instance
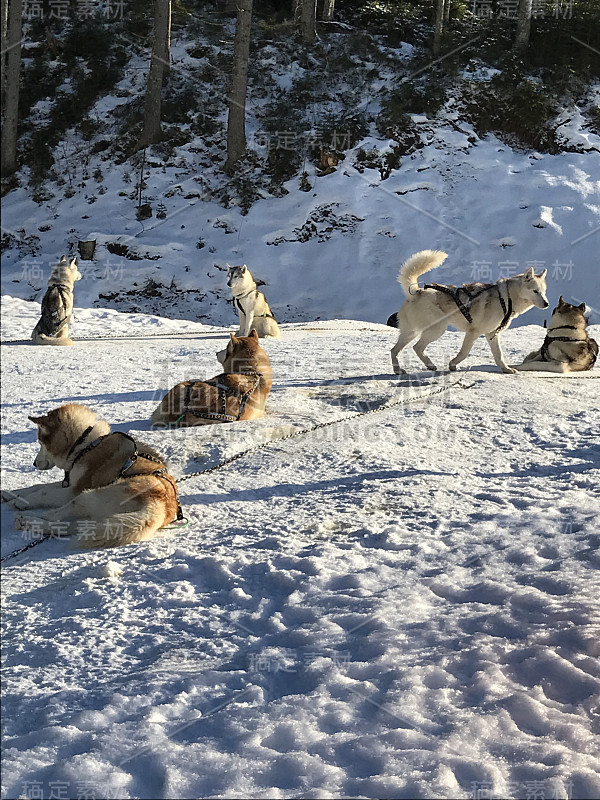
(251, 304)
(474, 308)
(238, 393)
(567, 346)
(57, 305)
(116, 490)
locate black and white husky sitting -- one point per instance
(251, 304)
(57, 305)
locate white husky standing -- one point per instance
(57, 305)
(476, 308)
(251, 304)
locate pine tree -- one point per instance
(236, 122)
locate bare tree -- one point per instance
(159, 64)
(328, 6)
(523, 24)
(236, 121)
(308, 20)
(4, 13)
(166, 42)
(438, 9)
(11, 93)
(446, 12)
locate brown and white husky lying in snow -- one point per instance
(238, 393)
(116, 490)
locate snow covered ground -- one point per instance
(400, 606)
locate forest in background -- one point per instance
(74, 53)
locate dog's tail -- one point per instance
(119, 530)
(417, 265)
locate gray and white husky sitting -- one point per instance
(476, 308)
(57, 305)
(567, 346)
(251, 304)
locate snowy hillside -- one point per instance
(403, 605)
(494, 210)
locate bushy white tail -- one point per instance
(122, 529)
(417, 265)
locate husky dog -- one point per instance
(57, 305)
(251, 304)
(474, 308)
(567, 346)
(116, 490)
(238, 393)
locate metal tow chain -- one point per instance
(350, 417)
(403, 401)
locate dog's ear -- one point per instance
(529, 274)
(233, 338)
(63, 257)
(253, 334)
(73, 262)
(582, 307)
(243, 268)
(543, 274)
(41, 422)
(561, 301)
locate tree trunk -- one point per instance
(446, 12)
(328, 6)
(236, 122)
(4, 13)
(166, 42)
(523, 24)
(12, 76)
(308, 21)
(158, 62)
(438, 26)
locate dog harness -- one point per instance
(224, 391)
(464, 297)
(50, 324)
(238, 305)
(159, 473)
(545, 348)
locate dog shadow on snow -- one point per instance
(296, 489)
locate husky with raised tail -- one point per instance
(475, 308)
(57, 305)
(116, 490)
(251, 305)
(567, 346)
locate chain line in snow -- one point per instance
(287, 437)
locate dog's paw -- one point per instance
(398, 370)
(433, 368)
(452, 367)
(18, 503)
(509, 370)
(8, 497)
